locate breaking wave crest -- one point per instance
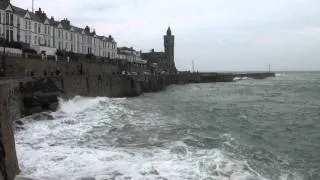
(240, 78)
(79, 104)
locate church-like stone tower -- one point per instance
(169, 51)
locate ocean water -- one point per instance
(244, 130)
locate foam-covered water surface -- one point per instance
(252, 129)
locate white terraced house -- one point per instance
(48, 35)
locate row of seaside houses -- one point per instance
(47, 35)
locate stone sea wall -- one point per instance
(22, 67)
(8, 159)
(37, 83)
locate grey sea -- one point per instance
(244, 130)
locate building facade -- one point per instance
(130, 55)
(47, 35)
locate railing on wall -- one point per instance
(11, 52)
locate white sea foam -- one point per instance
(240, 78)
(72, 146)
(79, 104)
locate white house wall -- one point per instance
(49, 37)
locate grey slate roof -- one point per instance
(77, 29)
(19, 11)
(53, 23)
(4, 4)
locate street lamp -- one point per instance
(3, 68)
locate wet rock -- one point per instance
(53, 106)
(19, 122)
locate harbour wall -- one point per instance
(8, 159)
(37, 83)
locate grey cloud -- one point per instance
(226, 35)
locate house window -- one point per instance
(7, 18)
(26, 39)
(59, 34)
(0, 17)
(11, 19)
(35, 40)
(39, 28)
(29, 26)
(35, 27)
(39, 40)
(7, 34)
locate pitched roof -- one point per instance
(54, 23)
(77, 29)
(35, 17)
(21, 12)
(4, 4)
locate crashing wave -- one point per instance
(240, 78)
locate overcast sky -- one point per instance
(219, 35)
